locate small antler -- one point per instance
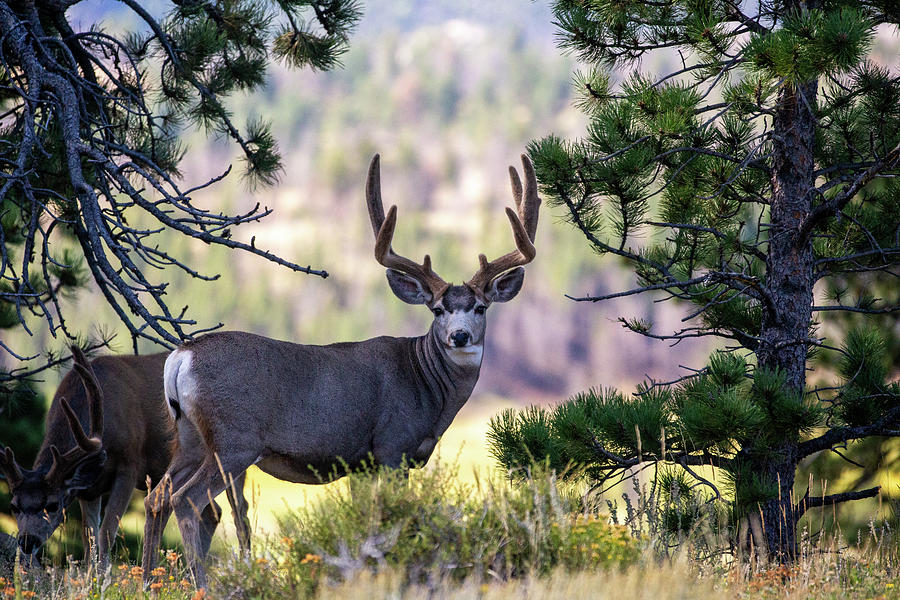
(524, 225)
(383, 227)
(92, 391)
(10, 468)
(84, 445)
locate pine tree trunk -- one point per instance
(789, 282)
(779, 524)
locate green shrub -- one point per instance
(431, 528)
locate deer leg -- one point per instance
(158, 508)
(209, 520)
(191, 500)
(238, 502)
(116, 505)
(90, 524)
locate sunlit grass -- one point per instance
(440, 535)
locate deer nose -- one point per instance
(29, 543)
(459, 338)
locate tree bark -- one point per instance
(789, 280)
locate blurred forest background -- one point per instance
(450, 94)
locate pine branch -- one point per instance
(745, 339)
(836, 204)
(830, 500)
(647, 288)
(27, 374)
(733, 10)
(888, 425)
(84, 147)
(858, 309)
(685, 459)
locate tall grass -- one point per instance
(435, 529)
(381, 536)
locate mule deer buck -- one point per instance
(298, 411)
(128, 440)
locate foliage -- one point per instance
(733, 184)
(435, 527)
(281, 567)
(90, 136)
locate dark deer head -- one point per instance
(41, 495)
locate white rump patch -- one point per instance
(179, 382)
(467, 356)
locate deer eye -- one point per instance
(479, 310)
(438, 311)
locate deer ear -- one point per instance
(504, 287)
(407, 288)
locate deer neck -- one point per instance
(449, 378)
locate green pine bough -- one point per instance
(754, 183)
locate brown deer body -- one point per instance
(304, 413)
(118, 401)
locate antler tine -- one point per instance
(82, 441)
(60, 464)
(10, 467)
(516, 184)
(524, 225)
(92, 391)
(532, 201)
(373, 194)
(84, 446)
(383, 226)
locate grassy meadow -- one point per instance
(461, 90)
(445, 535)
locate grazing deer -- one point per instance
(299, 412)
(119, 399)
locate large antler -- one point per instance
(384, 233)
(524, 225)
(84, 445)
